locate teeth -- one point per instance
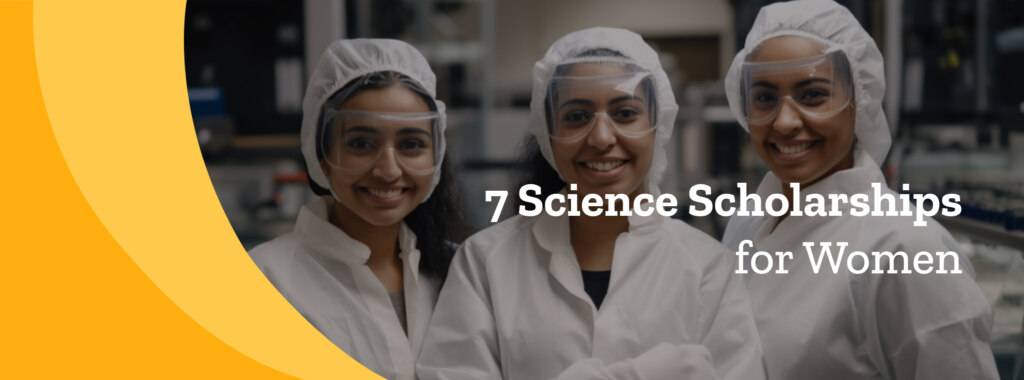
(385, 193)
(793, 149)
(603, 166)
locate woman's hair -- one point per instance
(437, 222)
(533, 168)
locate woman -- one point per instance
(366, 260)
(594, 297)
(808, 87)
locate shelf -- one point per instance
(286, 141)
(985, 231)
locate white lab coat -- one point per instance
(322, 272)
(850, 326)
(514, 307)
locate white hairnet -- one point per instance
(568, 50)
(833, 25)
(346, 60)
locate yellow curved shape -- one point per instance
(75, 305)
(113, 81)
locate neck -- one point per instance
(591, 226)
(593, 238)
(787, 189)
(382, 240)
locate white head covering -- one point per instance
(346, 60)
(637, 52)
(833, 25)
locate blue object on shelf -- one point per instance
(206, 101)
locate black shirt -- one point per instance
(596, 284)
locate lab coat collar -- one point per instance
(410, 256)
(645, 225)
(330, 241)
(856, 179)
(552, 232)
(553, 236)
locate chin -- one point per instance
(795, 176)
(381, 218)
(614, 188)
(620, 186)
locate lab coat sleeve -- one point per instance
(461, 339)
(734, 233)
(732, 336)
(740, 228)
(934, 326)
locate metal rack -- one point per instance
(985, 231)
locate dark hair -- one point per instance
(438, 222)
(439, 225)
(533, 168)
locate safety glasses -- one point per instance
(354, 141)
(819, 87)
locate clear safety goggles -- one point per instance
(819, 87)
(354, 141)
(578, 103)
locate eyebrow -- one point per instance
(613, 101)
(576, 101)
(375, 131)
(360, 129)
(626, 98)
(413, 131)
(806, 82)
(802, 83)
(765, 84)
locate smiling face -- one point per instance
(608, 140)
(380, 168)
(801, 118)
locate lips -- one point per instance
(384, 196)
(790, 149)
(603, 166)
(385, 193)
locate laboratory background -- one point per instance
(955, 96)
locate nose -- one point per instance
(603, 134)
(788, 119)
(387, 167)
